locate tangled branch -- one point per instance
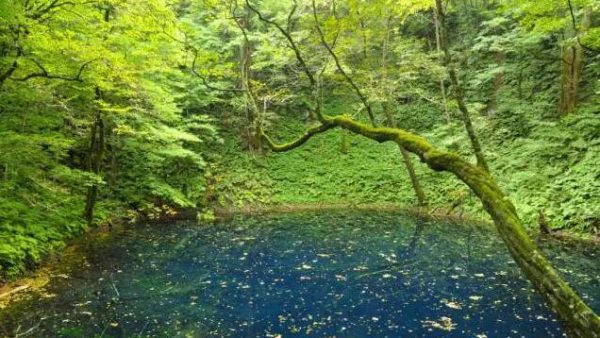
(43, 73)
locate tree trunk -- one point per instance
(458, 89)
(96, 150)
(251, 109)
(439, 51)
(363, 29)
(569, 78)
(94, 160)
(410, 168)
(492, 106)
(4, 171)
(113, 165)
(572, 66)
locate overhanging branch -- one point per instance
(300, 140)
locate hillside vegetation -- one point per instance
(553, 169)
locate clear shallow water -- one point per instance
(353, 275)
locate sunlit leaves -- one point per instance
(547, 15)
(131, 80)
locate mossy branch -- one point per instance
(579, 319)
(299, 141)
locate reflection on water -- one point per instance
(353, 275)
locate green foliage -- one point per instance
(317, 173)
(77, 62)
(512, 97)
(550, 168)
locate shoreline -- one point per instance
(421, 212)
(565, 236)
(35, 279)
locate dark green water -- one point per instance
(353, 275)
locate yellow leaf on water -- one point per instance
(452, 304)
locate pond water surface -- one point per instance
(298, 275)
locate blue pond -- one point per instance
(299, 275)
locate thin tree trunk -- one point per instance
(492, 106)
(410, 168)
(363, 29)
(96, 150)
(520, 84)
(251, 109)
(500, 56)
(572, 64)
(111, 148)
(458, 89)
(568, 79)
(439, 51)
(94, 160)
(4, 171)
(344, 142)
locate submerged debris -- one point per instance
(444, 323)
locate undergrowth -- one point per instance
(552, 167)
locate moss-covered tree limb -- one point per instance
(578, 318)
(300, 140)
